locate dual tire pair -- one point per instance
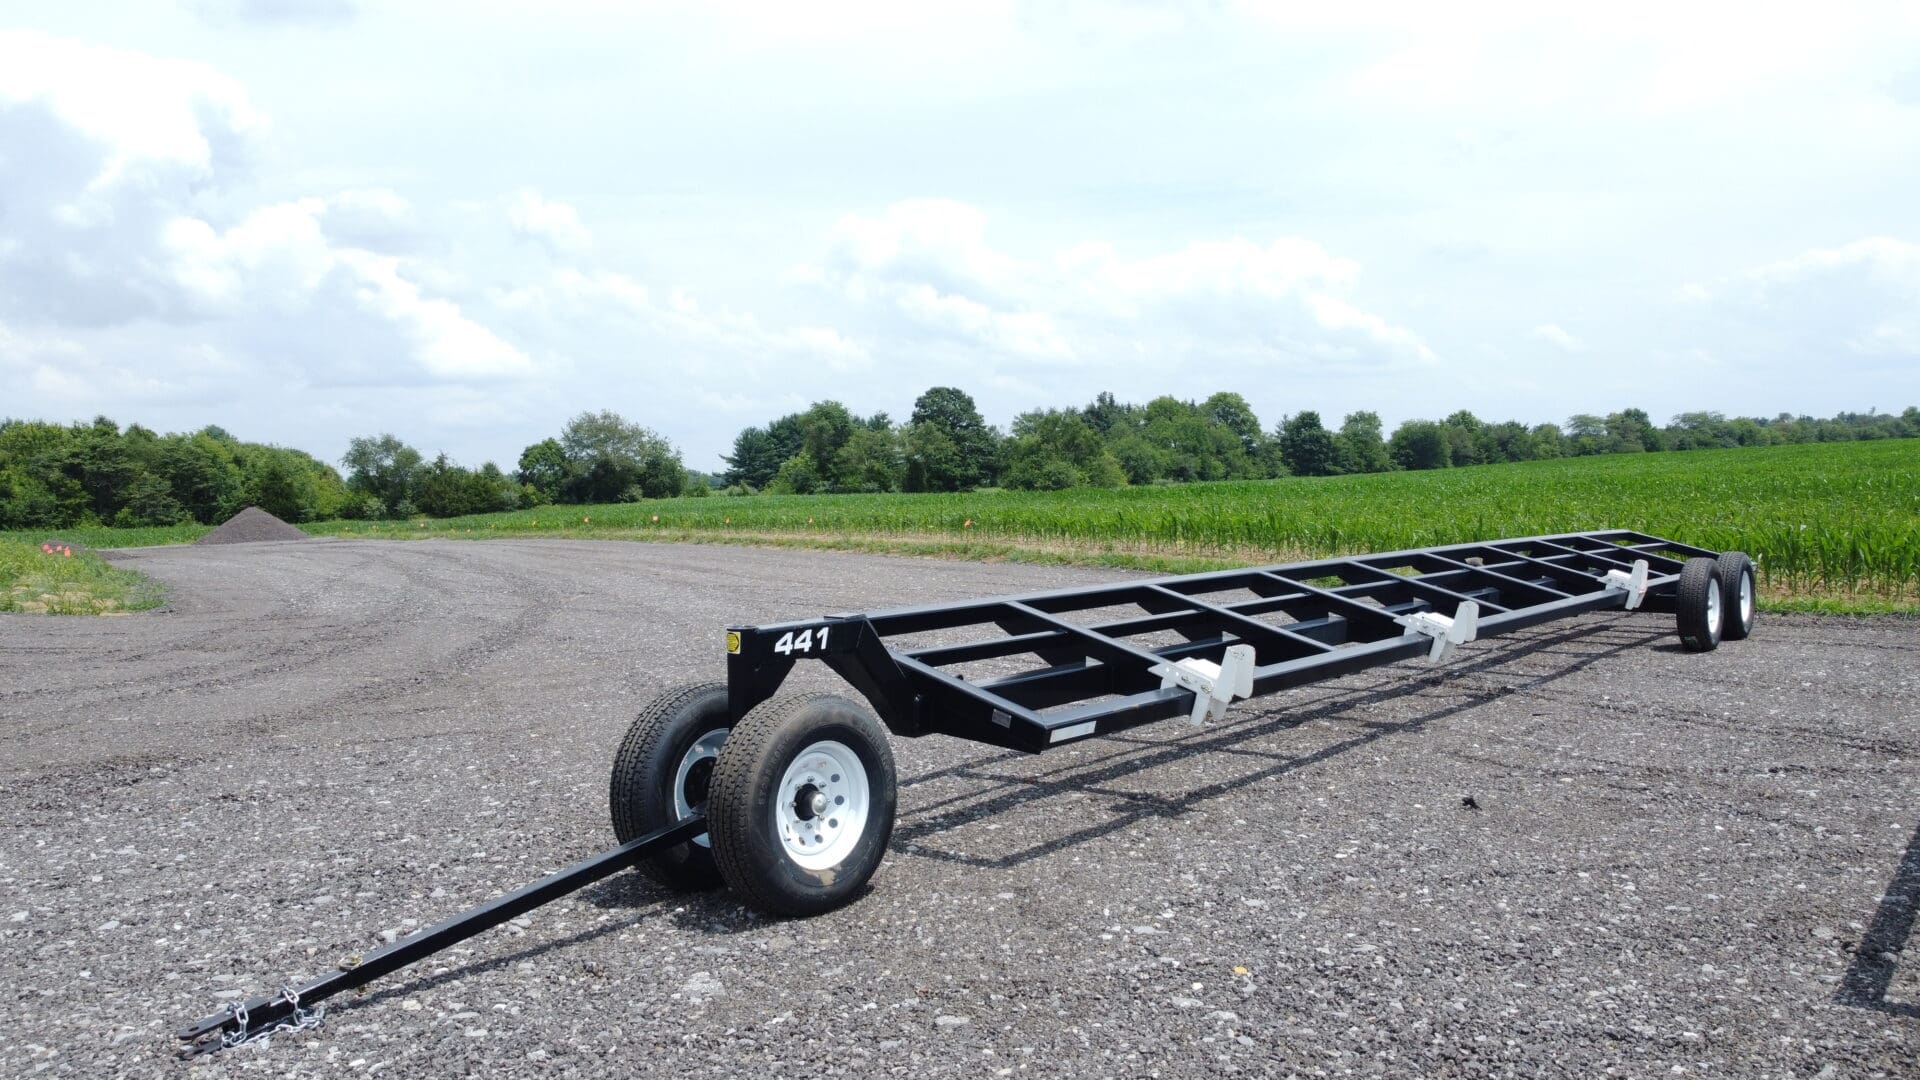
(1715, 600)
(799, 796)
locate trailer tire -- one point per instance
(662, 773)
(1700, 605)
(1737, 595)
(803, 803)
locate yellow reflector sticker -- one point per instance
(733, 642)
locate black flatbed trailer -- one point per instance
(789, 799)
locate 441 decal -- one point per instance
(802, 641)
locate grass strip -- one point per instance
(70, 580)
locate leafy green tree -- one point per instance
(871, 461)
(384, 467)
(1631, 431)
(1508, 440)
(1307, 447)
(25, 502)
(1585, 434)
(824, 428)
(949, 446)
(612, 459)
(492, 490)
(1700, 430)
(1420, 444)
(1231, 411)
(1360, 446)
(150, 501)
(1058, 448)
(798, 475)
(543, 467)
(274, 486)
(1138, 458)
(441, 489)
(755, 459)
(202, 475)
(98, 462)
(1109, 417)
(1463, 432)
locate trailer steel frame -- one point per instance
(1190, 645)
(1335, 616)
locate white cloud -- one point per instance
(1881, 260)
(554, 224)
(108, 227)
(148, 112)
(225, 13)
(1636, 55)
(1553, 335)
(1851, 311)
(1286, 304)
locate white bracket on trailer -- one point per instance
(1214, 686)
(1446, 632)
(1635, 584)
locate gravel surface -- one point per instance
(1673, 864)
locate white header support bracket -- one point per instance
(1214, 686)
(1634, 584)
(1446, 632)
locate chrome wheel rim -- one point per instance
(1746, 597)
(1713, 612)
(820, 808)
(705, 748)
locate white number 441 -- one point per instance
(806, 641)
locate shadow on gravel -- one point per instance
(1867, 978)
(1010, 793)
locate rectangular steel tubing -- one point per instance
(1250, 629)
(264, 1012)
(1420, 585)
(1492, 573)
(1097, 645)
(1563, 574)
(1349, 606)
(948, 616)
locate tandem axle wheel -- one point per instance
(1714, 600)
(799, 796)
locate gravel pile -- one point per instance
(252, 525)
(1573, 852)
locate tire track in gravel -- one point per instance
(407, 587)
(532, 612)
(209, 649)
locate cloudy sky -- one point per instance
(306, 220)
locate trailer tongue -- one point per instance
(790, 799)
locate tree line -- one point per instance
(95, 473)
(946, 445)
(60, 475)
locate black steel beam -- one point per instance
(265, 1013)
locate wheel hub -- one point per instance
(694, 776)
(820, 809)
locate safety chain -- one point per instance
(298, 1019)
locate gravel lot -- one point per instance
(1679, 864)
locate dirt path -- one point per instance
(1680, 862)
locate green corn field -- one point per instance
(1835, 519)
